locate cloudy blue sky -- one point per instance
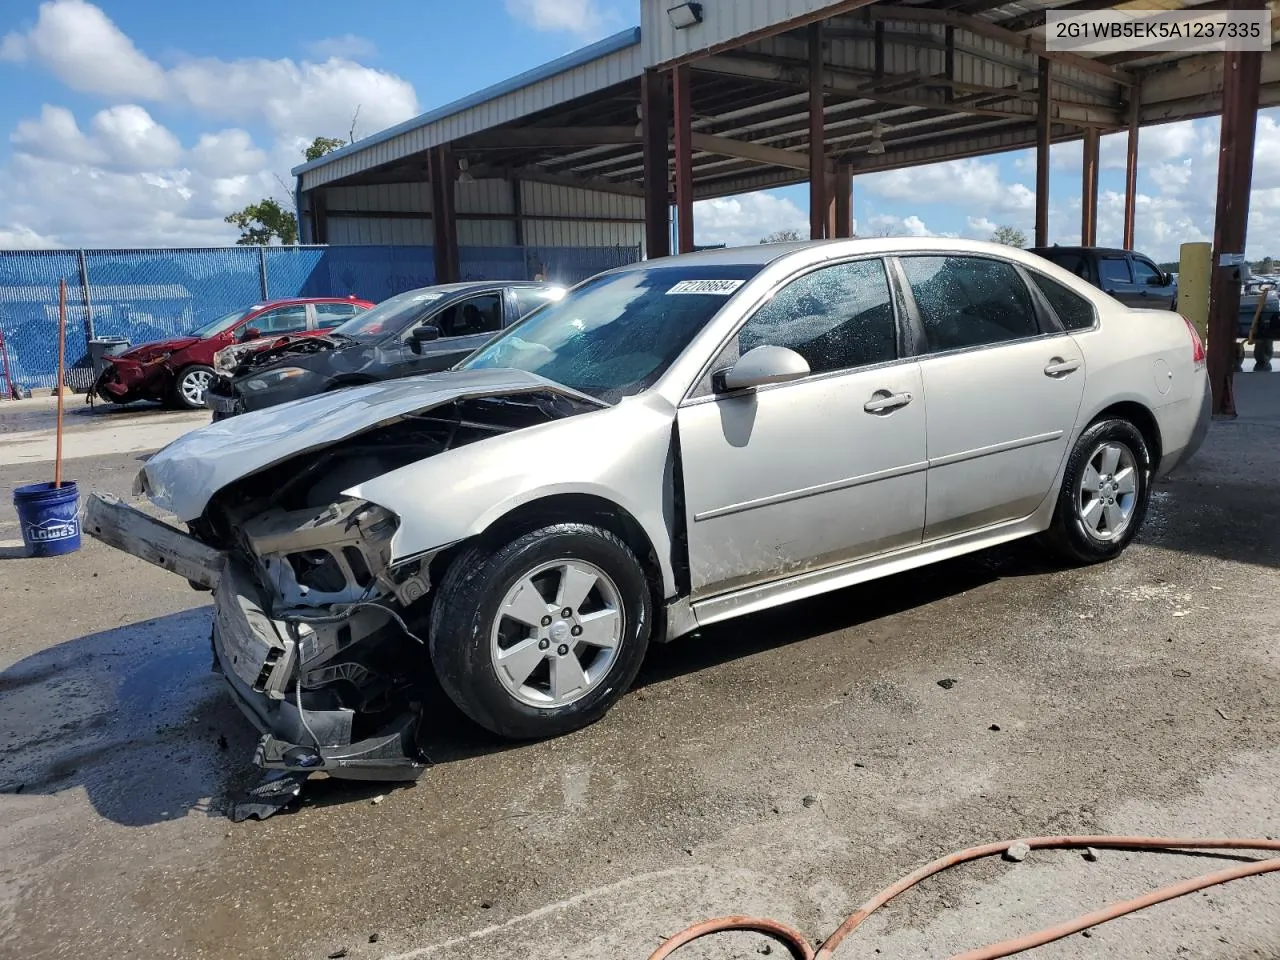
(142, 123)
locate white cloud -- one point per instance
(55, 135)
(228, 153)
(80, 45)
(347, 47)
(84, 49)
(888, 225)
(123, 137)
(133, 140)
(584, 18)
(746, 219)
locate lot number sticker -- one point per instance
(720, 288)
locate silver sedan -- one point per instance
(672, 444)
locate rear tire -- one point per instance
(512, 629)
(1105, 492)
(190, 386)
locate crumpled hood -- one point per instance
(185, 475)
(171, 345)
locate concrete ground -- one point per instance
(789, 764)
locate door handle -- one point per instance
(882, 401)
(1060, 368)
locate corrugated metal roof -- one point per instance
(601, 50)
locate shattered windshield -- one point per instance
(226, 322)
(614, 336)
(390, 315)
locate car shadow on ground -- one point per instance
(136, 718)
(133, 716)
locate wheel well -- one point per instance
(566, 508)
(1143, 419)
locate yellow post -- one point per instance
(1194, 260)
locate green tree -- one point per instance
(1265, 265)
(322, 145)
(265, 221)
(1009, 236)
(781, 236)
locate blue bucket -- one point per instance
(49, 517)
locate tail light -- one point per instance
(1197, 345)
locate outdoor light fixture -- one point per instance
(685, 15)
(640, 125)
(876, 146)
(463, 175)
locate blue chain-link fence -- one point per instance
(143, 295)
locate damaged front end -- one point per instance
(317, 630)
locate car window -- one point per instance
(837, 317)
(529, 299)
(617, 333)
(281, 320)
(1114, 270)
(1072, 263)
(332, 314)
(1075, 312)
(466, 318)
(970, 301)
(1143, 272)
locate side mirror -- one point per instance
(1160, 281)
(250, 333)
(760, 366)
(423, 334)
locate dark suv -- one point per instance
(1129, 277)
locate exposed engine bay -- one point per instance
(319, 635)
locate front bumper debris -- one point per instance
(313, 682)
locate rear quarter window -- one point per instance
(1073, 310)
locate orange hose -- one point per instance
(799, 947)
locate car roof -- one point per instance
(1106, 251)
(763, 254)
(285, 301)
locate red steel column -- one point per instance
(655, 118)
(1089, 189)
(840, 203)
(684, 159)
(1043, 126)
(1131, 171)
(1240, 86)
(444, 221)
(817, 138)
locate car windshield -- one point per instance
(390, 315)
(215, 327)
(615, 335)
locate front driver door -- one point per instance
(795, 476)
(464, 326)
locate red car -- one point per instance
(180, 369)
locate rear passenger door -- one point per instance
(330, 315)
(1002, 386)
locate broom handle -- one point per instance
(62, 347)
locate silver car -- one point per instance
(671, 445)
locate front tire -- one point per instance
(542, 635)
(191, 385)
(1105, 491)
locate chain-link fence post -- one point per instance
(262, 271)
(88, 303)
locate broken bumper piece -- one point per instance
(268, 666)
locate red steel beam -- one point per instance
(684, 158)
(817, 138)
(1044, 124)
(1089, 189)
(655, 113)
(1131, 170)
(1240, 88)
